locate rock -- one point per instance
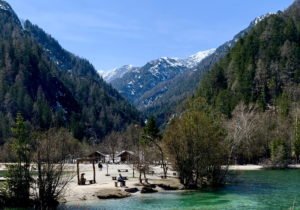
(152, 185)
(111, 194)
(148, 190)
(181, 187)
(167, 187)
(132, 190)
(62, 200)
(83, 198)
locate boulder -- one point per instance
(167, 187)
(132, 190)
(150, 185)
(111, 194)
(148, 190)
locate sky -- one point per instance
(112, 33)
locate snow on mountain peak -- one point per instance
(4, 6)
(157, 65)
(262, 17)
(195, 59)
(116, 73)
(163, 63)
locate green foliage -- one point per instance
(297, 139)
(195, 142)
(19, 179)
(279, 152)
(284, 104)
(151, 130)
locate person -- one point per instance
(100, 166)
(82, 179)
(121, 180)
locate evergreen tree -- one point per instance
(19, 178)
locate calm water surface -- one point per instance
(272, 189)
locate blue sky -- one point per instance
(112, 33)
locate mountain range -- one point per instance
(158, 87)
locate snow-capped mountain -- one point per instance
(117, 72)
(161, 84)
(195, 59)
(163, 62)
(134, 82)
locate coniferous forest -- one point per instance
(51, 87)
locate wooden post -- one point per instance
(94, 171)
(78, 172)
(133, 170)
(107, 169)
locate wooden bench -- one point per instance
(121, 184)
(122, 170)
(92, 182)
(115, 178)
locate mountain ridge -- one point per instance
(52, 87)
(188, 62)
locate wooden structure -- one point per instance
(98, 156)
(126, 156)
(79, 177)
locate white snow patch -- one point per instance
(262, 17)
(195, 59)
(116, 73)
(4, 6)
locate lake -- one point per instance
(265, 189)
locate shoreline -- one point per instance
(75, 193)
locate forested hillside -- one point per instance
(256, 87)
(51, 87)
(263, 66)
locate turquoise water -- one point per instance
(2, 173)
(249, 190)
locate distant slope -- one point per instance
(51, 87)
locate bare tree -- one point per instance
(111, 144)
(53, 149)
(242, 129)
